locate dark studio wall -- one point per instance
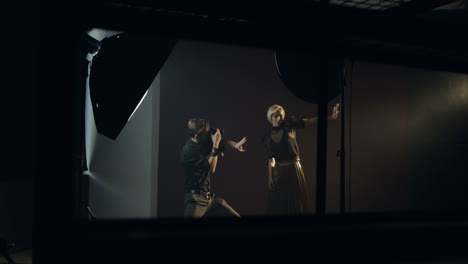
(408, 139)
(19, 124)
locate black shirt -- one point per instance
(287, 148)
(196, 167)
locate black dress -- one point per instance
(289, 195)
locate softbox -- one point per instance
(121, 73)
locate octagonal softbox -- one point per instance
(301, 73)
(121, 73)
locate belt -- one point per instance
(290, 159)
(207, 195)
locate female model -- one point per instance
(286, 181)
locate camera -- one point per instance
(208, 144)
(213, 131)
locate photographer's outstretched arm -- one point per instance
(237, 145)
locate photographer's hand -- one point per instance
(237, 145)
(240, 145)
(216, 137)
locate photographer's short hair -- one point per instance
(196, 126)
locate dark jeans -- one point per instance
(198, 206)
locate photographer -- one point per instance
(199, 157)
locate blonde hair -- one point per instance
(273, 109)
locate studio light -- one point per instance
(120, 75)
(300, 72)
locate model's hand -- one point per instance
(216, 137)
(335, 113)
(272, 162)
(240, 145)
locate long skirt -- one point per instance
(290, 194)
